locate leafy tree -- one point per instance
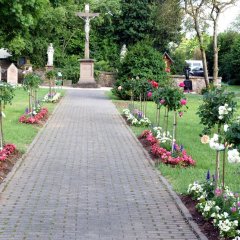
(6, 96)
(217, 7)
(134, 21)
(142, 61)
(197, 10)
(235, 61)
(167, 19)
(18, 17)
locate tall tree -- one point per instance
(18, 17)
(217, 7)
(196, 10)
(167, 19)
(134, 21)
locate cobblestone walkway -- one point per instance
(87, 178)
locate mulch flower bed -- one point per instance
(205, 226)
(8, 157)
(38, 118)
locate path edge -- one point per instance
(21, 160)
(181, 207)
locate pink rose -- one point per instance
(162, 101)
(183, 102)
(149, 94)
(180, 114)
(181, 84)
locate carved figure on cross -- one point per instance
(87, 16)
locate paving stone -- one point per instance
(86, 178)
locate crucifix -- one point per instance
(87, 16)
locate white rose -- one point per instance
(225, 127)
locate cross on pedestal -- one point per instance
(87, 16)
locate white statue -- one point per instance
(123, 52)
(50, 53)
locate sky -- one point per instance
(228, 16)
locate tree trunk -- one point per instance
(174, 129)
(203, 53)
(217, 170)
(215, 50)
(223, 173)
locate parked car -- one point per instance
(197, 72)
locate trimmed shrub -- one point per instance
(142, 61)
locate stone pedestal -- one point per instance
(49, 68)
(86, 79)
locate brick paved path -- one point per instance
(87, 178)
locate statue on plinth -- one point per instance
(50, 53)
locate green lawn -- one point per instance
(17, 133)
(188, 135)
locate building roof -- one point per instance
(4, 53)
(167, 55)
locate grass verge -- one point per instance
(17, 133)
(188, 132)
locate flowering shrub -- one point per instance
(221, 206)
(136, 118)
(217, 109)
(34, 119)
(178, 157)
(215, 114)
(7, 150)
(53, 97)
(170, 97)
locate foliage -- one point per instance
(167, 19)
(141, 61)
(209, 110)
(70, 68)
(170, 97)
(134, 21)
(31, 81)
(233, 134)
(51, 74)
(6, 96)
(6, 93)
(18, 18)
(228, 56)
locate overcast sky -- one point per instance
(228, 16)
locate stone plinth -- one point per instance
(49, 68)
(86, 79)
(12, 74)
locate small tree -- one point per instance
(51, 76)
(172, 99)
(217, 110)
(31, 83)
(6, 96)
